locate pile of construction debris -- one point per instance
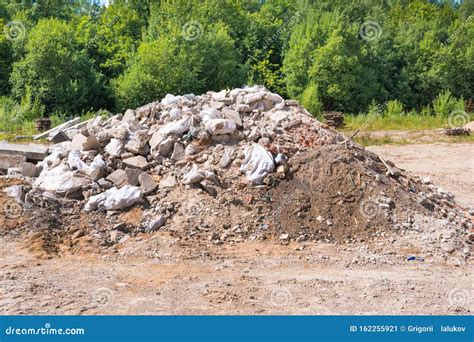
(230, 165)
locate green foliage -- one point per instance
(172, 64)
(394, 109)
(393, 116)
(445, 104)
(310, 100)
(6, 60)
(117, 38)
(76, 56)
(14, 115)
(59, 76)
(419, 50)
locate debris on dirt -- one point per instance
(231, 165)
(54, 131)
(415, 258)
(457, 131)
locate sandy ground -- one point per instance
(450, 166)
(159, 274)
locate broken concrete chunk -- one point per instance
(115, 199)
(217, 105)
(253, 97)
(104, 184)
(30, 170)
(62, 181)
(170, 99)
(220, 126)
(138, 144)
(95, 170)
(137, 162)
(120, 133)
(155, 224)
(197, 175)
(132, 176)
(191, 150)
(219, 96)
(176, 127)
(129, 116)
(93, 124)
(175, 114)
(7, 161)
(31, 151)
(115, 148)
(148, 110)
(178, 152)
(209, 189)
(17, 192)
(257, 164)
(156, 140)
(243, 108)
(232, 115)
(147, 184)
(168, 182)
(119, 178)
(83, 143)
(53, 160)
(226, 158)
(194, 175)
(280, 116)
(166, 147)
(209, 114)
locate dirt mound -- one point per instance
(341, 194)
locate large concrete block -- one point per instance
(8, 161)
(31, 151)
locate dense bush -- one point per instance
(57, 74)
(172, 64)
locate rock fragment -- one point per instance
(147, 184)
(138, 162)
(83, 143)
(155, 224)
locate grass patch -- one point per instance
(406, 122)
(27, 127)
(368, 140)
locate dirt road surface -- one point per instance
(450, 166)
(160, 274)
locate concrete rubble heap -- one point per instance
(202, 164)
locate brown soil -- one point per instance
(336, 185)
(160, 275)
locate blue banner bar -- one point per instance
(236, 328)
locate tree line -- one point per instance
(74, 56)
